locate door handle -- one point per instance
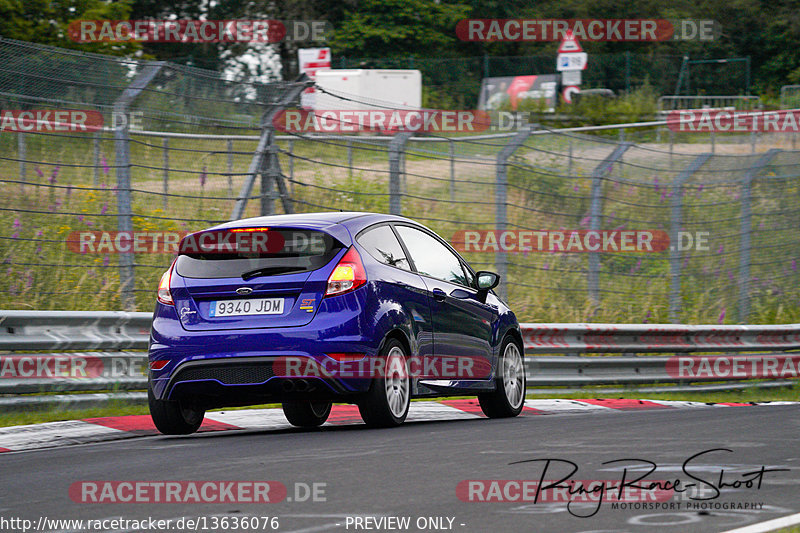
(438, 294)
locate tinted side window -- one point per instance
(382, 244)
(431, 257)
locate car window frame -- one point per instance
(464, 264)
(411, 266)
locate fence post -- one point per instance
(267, 176)
(291, 167)
(350, 157)
(676, 219)
(96, 159)
(671, 146)
(122, 150)
(165, 147)
(230, 167)
(746, 229)
(596, 214)
(452, 170)
(265, 147)
(396, 147)
(500, 199)
(22, 155)
(569, 159)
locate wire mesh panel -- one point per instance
(61, 245)
(719, 211)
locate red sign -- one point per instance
(569, 44)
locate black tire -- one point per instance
(508, 398)
(172, 418)
(305, 413)
(386, 404)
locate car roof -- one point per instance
(353, 221)
(333, 217)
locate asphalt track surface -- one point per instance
(413, 471)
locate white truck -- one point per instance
(363, 89)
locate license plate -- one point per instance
(255, 306)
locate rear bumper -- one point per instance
(228, 367)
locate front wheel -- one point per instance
(305, 413)
(173, 418)
(386, 404)
(509, 395)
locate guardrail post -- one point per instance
(265, 146)
(500, 199)
(676, 219)
(746, 230)
(396, 147)
(596, 215)
(127, 280)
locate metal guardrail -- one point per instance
(657, 338)
(673, 103)
(74, 330)
(109, 342)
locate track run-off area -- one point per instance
(718, 467)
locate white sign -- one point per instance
(568, 92)
(311, 61)
(572, 61)
(571, 77)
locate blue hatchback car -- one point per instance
(311, 309)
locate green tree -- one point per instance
(47, 22)
(382, 28)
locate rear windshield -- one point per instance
(253, 253)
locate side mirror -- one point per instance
(487, 280)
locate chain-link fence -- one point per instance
(456, 82)
(722, 208)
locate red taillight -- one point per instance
(164, 296)
(348, 275)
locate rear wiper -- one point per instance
(270, 271)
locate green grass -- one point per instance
(21, 418)
(546, 192)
